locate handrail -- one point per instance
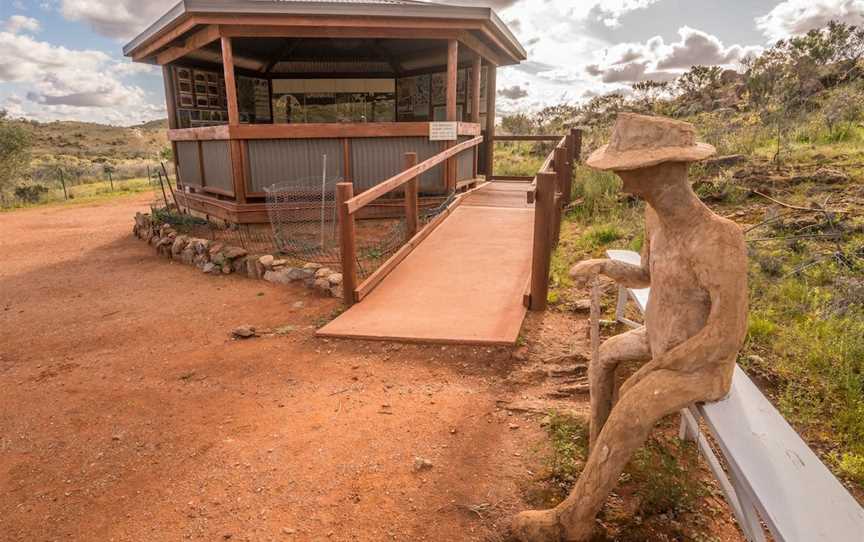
(547, 167)
(358, 202)
(527, 137)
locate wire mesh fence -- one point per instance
(304, 224)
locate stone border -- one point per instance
(215, 258)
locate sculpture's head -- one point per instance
(646, 151)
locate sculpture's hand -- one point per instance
(583, 272)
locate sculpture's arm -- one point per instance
(631, 276)
(724, 276)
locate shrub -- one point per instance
(30, 193)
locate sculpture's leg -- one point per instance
(630, 346)
(659, 394)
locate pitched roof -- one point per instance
(423, 9)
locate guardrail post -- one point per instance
(347, 242)
(412, 204)
(544, 214)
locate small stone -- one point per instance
(266, 261)
(521, 353)
(323, 273)
(335, 279)
(300, 274)
(216, 248)
(513, 426)
(244, 332)
(279, 263)
(286, 530)
(421, 464)
(313, 266)
(582, 305)
(208, 267)
(281, 276)
(322, 284)
(753, 358)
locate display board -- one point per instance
(253, 100)
(201, 98)
(424, 97)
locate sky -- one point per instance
(62, 59)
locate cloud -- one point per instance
(65, 83)
(19, 23)
(660, 61)
(515, 92)
(793, 17)
(119, 19)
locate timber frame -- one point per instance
(207, 34)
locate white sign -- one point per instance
(443, 131)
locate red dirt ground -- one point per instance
(127, 413)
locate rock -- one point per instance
(421, 464)
(244, 332)
(201, 246)
(300, 274)
(254, 269)
(313, 266)
(218, 259)
(323, 273)
(758, 360)
(239, 265)
(335, 279)
(336, 291)
(278, 277)
(322, 284)
(521, 353)
(279, 264)
(208, 267)
(188, 256)
(582, 305)
(201, 260)
(232, 253)
(266, 261)
(730, 76)
(179, 245)
(216, 248)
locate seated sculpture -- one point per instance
(695, 323)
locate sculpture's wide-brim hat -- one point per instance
(640, 141)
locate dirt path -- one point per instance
(128, 414)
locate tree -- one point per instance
(698, 80)
(15, 143)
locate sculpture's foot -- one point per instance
(536, 526)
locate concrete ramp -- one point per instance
(464, 284)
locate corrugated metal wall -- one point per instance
(217, 165)
(278, 161)
(465, 162)
(187, 159)
(376, 160)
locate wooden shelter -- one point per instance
(260, 91)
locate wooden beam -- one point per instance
(452, 78)
(148, 49)
(542, 247)
(555, 138)
(285, 51)
(208, 34)
(491, 91)
(170, 96)
(476, 71)
(398, 180)
(230, 82)
(250, 31)
(470, 41)
(314, 131)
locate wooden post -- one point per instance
(561, 166)
(171, 101)
(577, 144)
(230, 82)
(111, 180)
(347, 242)
(234, 146)
(63, 184)
(491, 91)
(544, 213)
(452, 83)
(476, 70)
(412, 202)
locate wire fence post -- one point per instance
(412, 211)
(347, 242)
(323, 200)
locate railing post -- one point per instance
(544, 213)
(347, 242)
(412, 210)
(561, 166)
(577, 144)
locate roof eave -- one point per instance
(186, 8)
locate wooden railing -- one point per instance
(551, 193)
(348, 205)
(576, 135)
